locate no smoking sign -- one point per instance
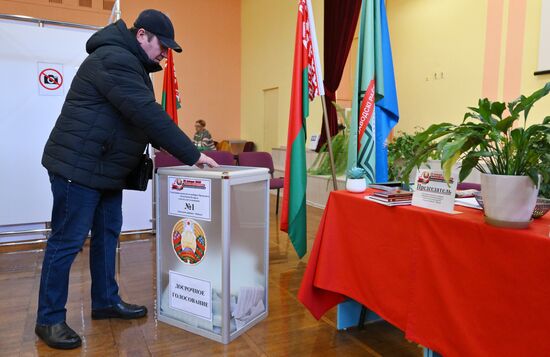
(50, 79)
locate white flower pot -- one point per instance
(356, 185)
(508, 201)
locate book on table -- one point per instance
(391, 197)
(386, 186)
(401, 194)
(386, 202)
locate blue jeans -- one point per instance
(77, 210)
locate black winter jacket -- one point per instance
(110, 115)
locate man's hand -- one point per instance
(206, 160)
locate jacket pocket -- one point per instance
(108, 144)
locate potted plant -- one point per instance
(401, 148)
(512, 157)
(544, 148)
(356, 180)
(321, 164)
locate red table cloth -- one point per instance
(451, 282)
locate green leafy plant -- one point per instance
(490, 140)
(401, 148)
(321, 165)
(544, 149)
(356, 173)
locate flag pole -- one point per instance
(317, 64)
(329, 143)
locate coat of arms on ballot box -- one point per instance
(189, 241)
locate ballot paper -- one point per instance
(250, 304)
(468, 202)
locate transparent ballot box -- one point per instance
(212, 249)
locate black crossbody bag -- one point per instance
(139, 177)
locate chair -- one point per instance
(249, 146)
(164, 159)
(224, 146)
(263, 159)
(468, 186)
(221, 157)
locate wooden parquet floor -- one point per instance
(289, 330)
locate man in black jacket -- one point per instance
(109, 116)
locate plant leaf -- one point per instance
(433, 132)
(517, 137)
(485, 110)
(497, 108)
(449, 150)
(527, 102)
(447, 166)
(506, 123)
(467, 165)
(534, 175)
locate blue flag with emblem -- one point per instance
(374, 103)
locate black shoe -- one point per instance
(58, 336)
(121, 310)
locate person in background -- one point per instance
(109, 116)
(202, 139)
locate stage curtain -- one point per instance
(340, 24)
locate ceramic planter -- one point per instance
(356, 185)
(508, 201)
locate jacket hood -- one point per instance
(117, 34)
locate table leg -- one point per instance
(431, 353)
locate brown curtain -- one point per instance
(340, 23)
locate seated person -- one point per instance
(202, 139)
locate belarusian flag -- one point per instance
(374, 102)
(307, 82)
(170, 92)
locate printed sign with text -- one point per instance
(191, 295)
(189, 197)
(433, 192)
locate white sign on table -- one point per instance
(189, 197)
(191, 295)
(433, 192)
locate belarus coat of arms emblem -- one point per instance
(189, 241)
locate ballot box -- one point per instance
(212, 249)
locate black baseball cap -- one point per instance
(160, 25)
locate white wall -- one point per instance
(28, 112)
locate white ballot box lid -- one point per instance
(213, 172)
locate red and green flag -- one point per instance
(307, 82)
(170, 91)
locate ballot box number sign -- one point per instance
(191, 295)
(189, 197)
